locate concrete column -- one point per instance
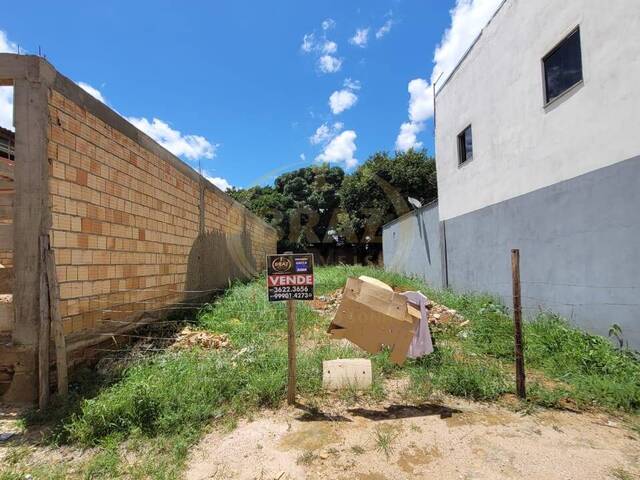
(32, 217)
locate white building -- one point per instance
(523, 137)
(538, 148)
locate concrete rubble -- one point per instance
(188, 338)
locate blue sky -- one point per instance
(244, 87)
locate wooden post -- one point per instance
(44, 332)
(517, 320)
(291, 319)
(56, 325)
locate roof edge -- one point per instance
(424, 208)
(470, 49)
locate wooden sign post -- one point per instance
(291, 327)
(517, 320)
(290, 278)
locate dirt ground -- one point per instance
(453, 439)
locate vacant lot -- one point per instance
(450, 439)
(187, 410)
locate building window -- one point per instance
(465, 146)
(563, 67)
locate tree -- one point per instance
(268, 203)
(300, 204)
(321, 205)
(377, 192)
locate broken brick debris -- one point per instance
(188, 338)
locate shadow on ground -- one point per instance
(405, 411)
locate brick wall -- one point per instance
(131, 231)
(134, 229)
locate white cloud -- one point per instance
(329, 47)
(308, 43)
(6, 45)
(6, 107)
(360, 38)
(329, 64)
(342, 100)
(323, 48)
(468, 18)
(420, 100)
(219, 182)
(407, 137)
(6, 93)
(328, 24)
(303, 157)
(351, 84)
(192, 147)
(94, 92)
(384, 29)
(340, 149)
(325, 132)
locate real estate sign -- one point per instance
(290, 277)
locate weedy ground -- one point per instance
(141, 420)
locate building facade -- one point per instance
(537, 149)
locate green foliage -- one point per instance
(268, 203)
(597, 372)
(302, 204)
(546, 397)
(105, 464)
(307, 204)
(377, 191)
(462, 376)
(159, 406)
(384, 437)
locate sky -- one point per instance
(247, 90)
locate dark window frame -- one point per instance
(558, 46)
(463, 154)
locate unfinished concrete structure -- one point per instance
(133, 228)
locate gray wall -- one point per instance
(579, 244)
(411, 244)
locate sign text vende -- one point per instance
(284, 280)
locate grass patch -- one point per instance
(306, 458)
(153, 410)
(621, 474)
(459, 375)
(383, 437)
(595, 372)
(357, 449)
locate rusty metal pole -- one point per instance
(517, 320)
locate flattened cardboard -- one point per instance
(375, 281)
(372, 316)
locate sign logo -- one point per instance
(281, 264)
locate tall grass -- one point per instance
(172, 396)
(593, 369)
(178, 392)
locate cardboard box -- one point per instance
(373, 317)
